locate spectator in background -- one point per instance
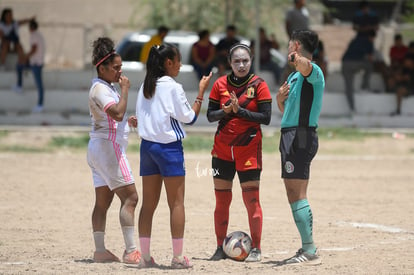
(365, 20)
(397, 56)
(34, 60)
(203, 54)
(9, 36)
(156, 39)
(223, 47)
(358, 56)
(404, 79)
(297, 18)
(397, 52)
(266, 62)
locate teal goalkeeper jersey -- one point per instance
(304, 103)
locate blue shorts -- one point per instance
(166, 160)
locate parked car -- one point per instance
(131, 45)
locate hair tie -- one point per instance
(104, 58)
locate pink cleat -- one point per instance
(181, 263)
(104, 257)
(132, 258)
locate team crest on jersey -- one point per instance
(289, 167)
(250, 92)
(248, 163)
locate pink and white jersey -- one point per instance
(103, 95)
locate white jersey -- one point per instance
(7, 29)
(160, 117)
(102, 95)
(36, 39)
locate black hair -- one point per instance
(203, 33)
(162, 29)
(235, 47)
(33, 25)
(155, 66)
(398, 36)
(4, 13)
(308, 39)
(103, 51)
(231, 28)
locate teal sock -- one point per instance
(302, 214)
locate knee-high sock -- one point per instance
(254, 211)
(302, 214)
(221, 213)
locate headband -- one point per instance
(239, 45)
(104, 58)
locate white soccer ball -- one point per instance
(237, 245)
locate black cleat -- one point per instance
(218, 255)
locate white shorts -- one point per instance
(109, 164)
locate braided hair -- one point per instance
(155, 66)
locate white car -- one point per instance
(131, 45)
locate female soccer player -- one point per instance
(106, 151)
(161, 107)
(240, 102)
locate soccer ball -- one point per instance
(237, 245)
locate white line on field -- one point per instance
(362, 157)
(379, 227)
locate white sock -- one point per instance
(99, 238)
(129, 238)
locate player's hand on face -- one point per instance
(292, 57)
(124, 82)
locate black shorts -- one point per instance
(297, 148)
(226, 170)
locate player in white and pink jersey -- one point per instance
(106, 151)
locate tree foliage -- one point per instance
(213, 15)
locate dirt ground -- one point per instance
(361, 194)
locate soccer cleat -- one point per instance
(181, 263)
(304, 258)
(255, 255)
(219, 254)
(132, 258)
(104, 257)
(147, 264)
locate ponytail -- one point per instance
(155, 66)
